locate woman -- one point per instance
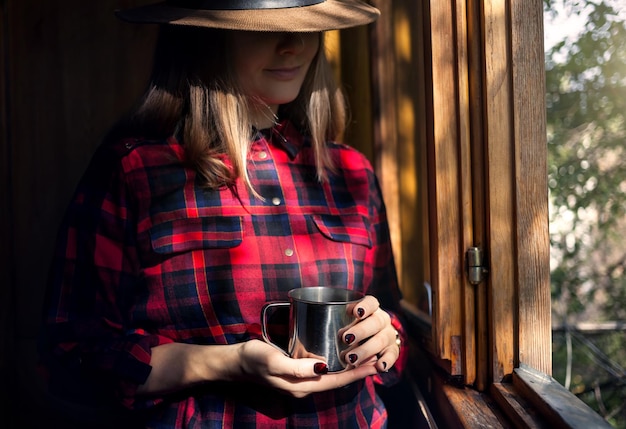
(221, 191)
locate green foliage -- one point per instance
(586, 124)
(586, 118)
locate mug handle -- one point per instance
(266, 336)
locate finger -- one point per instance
(277, 363)
(372, 347)
(367, 327)
(365, 307)
(304, 387)
(387, 358)
(297, 368)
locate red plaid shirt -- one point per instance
(147, 257)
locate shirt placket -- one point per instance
(275, 198)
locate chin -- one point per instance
(283, 98)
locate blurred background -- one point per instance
(585, 44)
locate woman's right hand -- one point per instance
(264, 364)
(176, 366)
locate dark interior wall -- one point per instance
(68, 69)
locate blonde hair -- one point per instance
(193, 95)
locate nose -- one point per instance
(290, 43)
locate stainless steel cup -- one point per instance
(317, 318)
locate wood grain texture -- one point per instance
(521, 414)
(469, 408)
(445, 198)
(385, 121)
(468, 295)
(500, 193)
(560, 407)
(74, 69)
(476, 100)
(532, 237)
(409, 41)
(69, 70)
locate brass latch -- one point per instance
(476, 272)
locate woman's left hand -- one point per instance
(373, 339)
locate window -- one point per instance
(459, 143)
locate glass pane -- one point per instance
(585, 44)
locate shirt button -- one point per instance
(262, 154)
(288, 252)
(276, 201)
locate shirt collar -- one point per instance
(285, 136)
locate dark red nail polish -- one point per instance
(352, 358)
(360, 312)
(349, 339)
(320, 368)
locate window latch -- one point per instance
(476, 271)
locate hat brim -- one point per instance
(328, 15)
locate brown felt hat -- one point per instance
(256, 15)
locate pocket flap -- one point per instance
(344, 228)
(180, 235)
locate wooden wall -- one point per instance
(68, 69)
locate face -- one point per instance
(271, 67)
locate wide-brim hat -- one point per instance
(256, 15)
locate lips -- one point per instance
(284, 73)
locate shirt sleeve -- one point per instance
(88, 332)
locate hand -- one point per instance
(373, 338)
(264, 364)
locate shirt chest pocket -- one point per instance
(182, 235)
(345, 228)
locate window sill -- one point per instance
(554, 403)
(526, 399)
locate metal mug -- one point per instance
(317, 318)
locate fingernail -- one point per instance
(320, 368)
(360, 312)
(352, 358)
(384, 365)
(349, 339)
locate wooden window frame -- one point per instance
(479, 110)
